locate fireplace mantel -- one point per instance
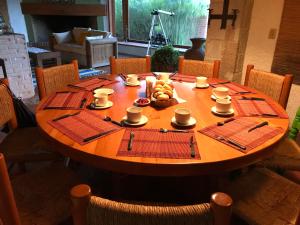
(64, 9)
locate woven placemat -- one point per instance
(237, 131)
(152, 143)
(92, 84)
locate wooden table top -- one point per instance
(216, 157)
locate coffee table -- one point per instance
(39, 55)
(216, 157)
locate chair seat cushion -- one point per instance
(42, 196)
(264, 197)
(26, 144)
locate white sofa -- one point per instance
(92, 48)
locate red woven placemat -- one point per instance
(153, 144)
(67, 100)
(237, 130)
(257, 108)
(234, 88)
(183, 78)
(141, 76)
(84, 125)
(92, 84)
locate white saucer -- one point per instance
(202, 86)
(213, 97)
(108, 105)
(191, 122)
(132, 84)
(104, 90)
(230, 112)
(143, 121)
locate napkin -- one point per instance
(154, 144)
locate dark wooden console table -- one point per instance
(39, 55)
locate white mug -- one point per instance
(182, 115)
(132, 78)
(223, 105)
(134, 114)
(100, 98)
(220, 92)
(200, 81)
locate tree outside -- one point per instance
(190, 19)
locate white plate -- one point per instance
(108, 105)
(143, 121)
(104, 90)
(132, 84)
(202, 86)
(191, 122)
(230, 112)
(138, 104)
(213, 97)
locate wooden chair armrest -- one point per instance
(80, 196)
(221, 205)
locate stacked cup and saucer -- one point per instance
(223, 102)
(132, 80)
(183, 118)
(101, 101)
(201, 82)
(134, 117)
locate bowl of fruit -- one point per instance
(162, 94)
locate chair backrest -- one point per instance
(274, 85)
(295, 126)
(7, 114)
(55, 78)
(130, 65)
(92, 210)
(8, 210)
(198, 67)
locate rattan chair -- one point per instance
(36, 198)
(276, 86)
(130, 65)
(262, 197)
(92, 210)
(198, 67)
(21, 144)
(52, 79)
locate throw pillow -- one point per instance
(90, 38)
(63, 37)
(77, 33)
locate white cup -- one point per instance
(221, 92)
(134, 114)
(182, 115)
(223, 105)
(100, 98)
(164, 76)
(132, 78)
(201, 81)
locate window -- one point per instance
(190, 19)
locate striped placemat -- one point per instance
(183, 78)
(67, 100)
(152, 143)
(234, 88)
(237, 131)
(92, 84)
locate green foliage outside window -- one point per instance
(190, 15)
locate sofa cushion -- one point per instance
(77, 33)
(100, 33)
(63, 37)
(70, 47)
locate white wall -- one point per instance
(266, 15)
(16, 17)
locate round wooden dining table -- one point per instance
(216, 157)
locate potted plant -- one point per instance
(165, 59)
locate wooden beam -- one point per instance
(63, 9)
(111, 16)
(125, 12)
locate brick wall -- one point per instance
(14, 52)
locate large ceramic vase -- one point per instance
(197, 50)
